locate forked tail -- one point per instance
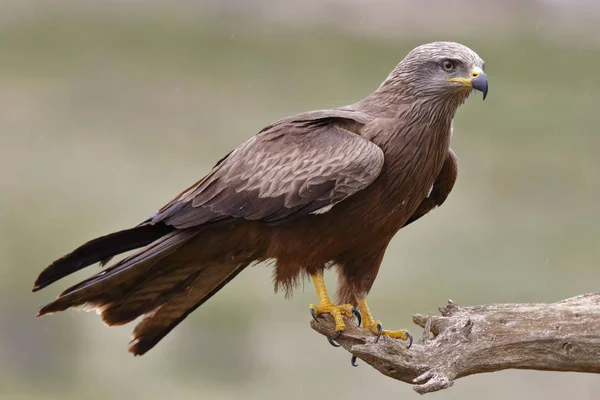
(163, 282)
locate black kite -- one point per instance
(317, 189)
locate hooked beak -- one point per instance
(477, 80)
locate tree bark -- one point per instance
(563, 336)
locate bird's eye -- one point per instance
(448, 65)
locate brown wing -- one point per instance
(297, 166)
(441, 188)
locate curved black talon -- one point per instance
(357, 314)
(314, 315)
(353, 361)
(379, 331)
(332, 338)
(410, 340)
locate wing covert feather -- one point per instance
(289, 169)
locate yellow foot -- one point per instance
(376, 327)
(338, 312)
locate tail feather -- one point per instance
(115, 282)
(149, 294)
(99, 250)
(163, 282)
(158, 323)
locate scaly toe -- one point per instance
(337, 311)
(399, 334)
(402, 334)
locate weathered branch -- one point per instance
(563, 336)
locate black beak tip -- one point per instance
(481, 83)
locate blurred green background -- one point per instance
(110, 108)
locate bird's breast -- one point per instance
(413, 160)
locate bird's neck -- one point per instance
(397, 101)
(418, 119)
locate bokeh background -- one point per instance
(110, 108)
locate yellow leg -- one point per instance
(375, 326)
(325, 306)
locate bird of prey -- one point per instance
(314, 190)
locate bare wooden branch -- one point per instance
(563, 336)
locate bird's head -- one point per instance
(443, 70)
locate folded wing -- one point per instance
(289, 169)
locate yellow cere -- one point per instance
(475, 72)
